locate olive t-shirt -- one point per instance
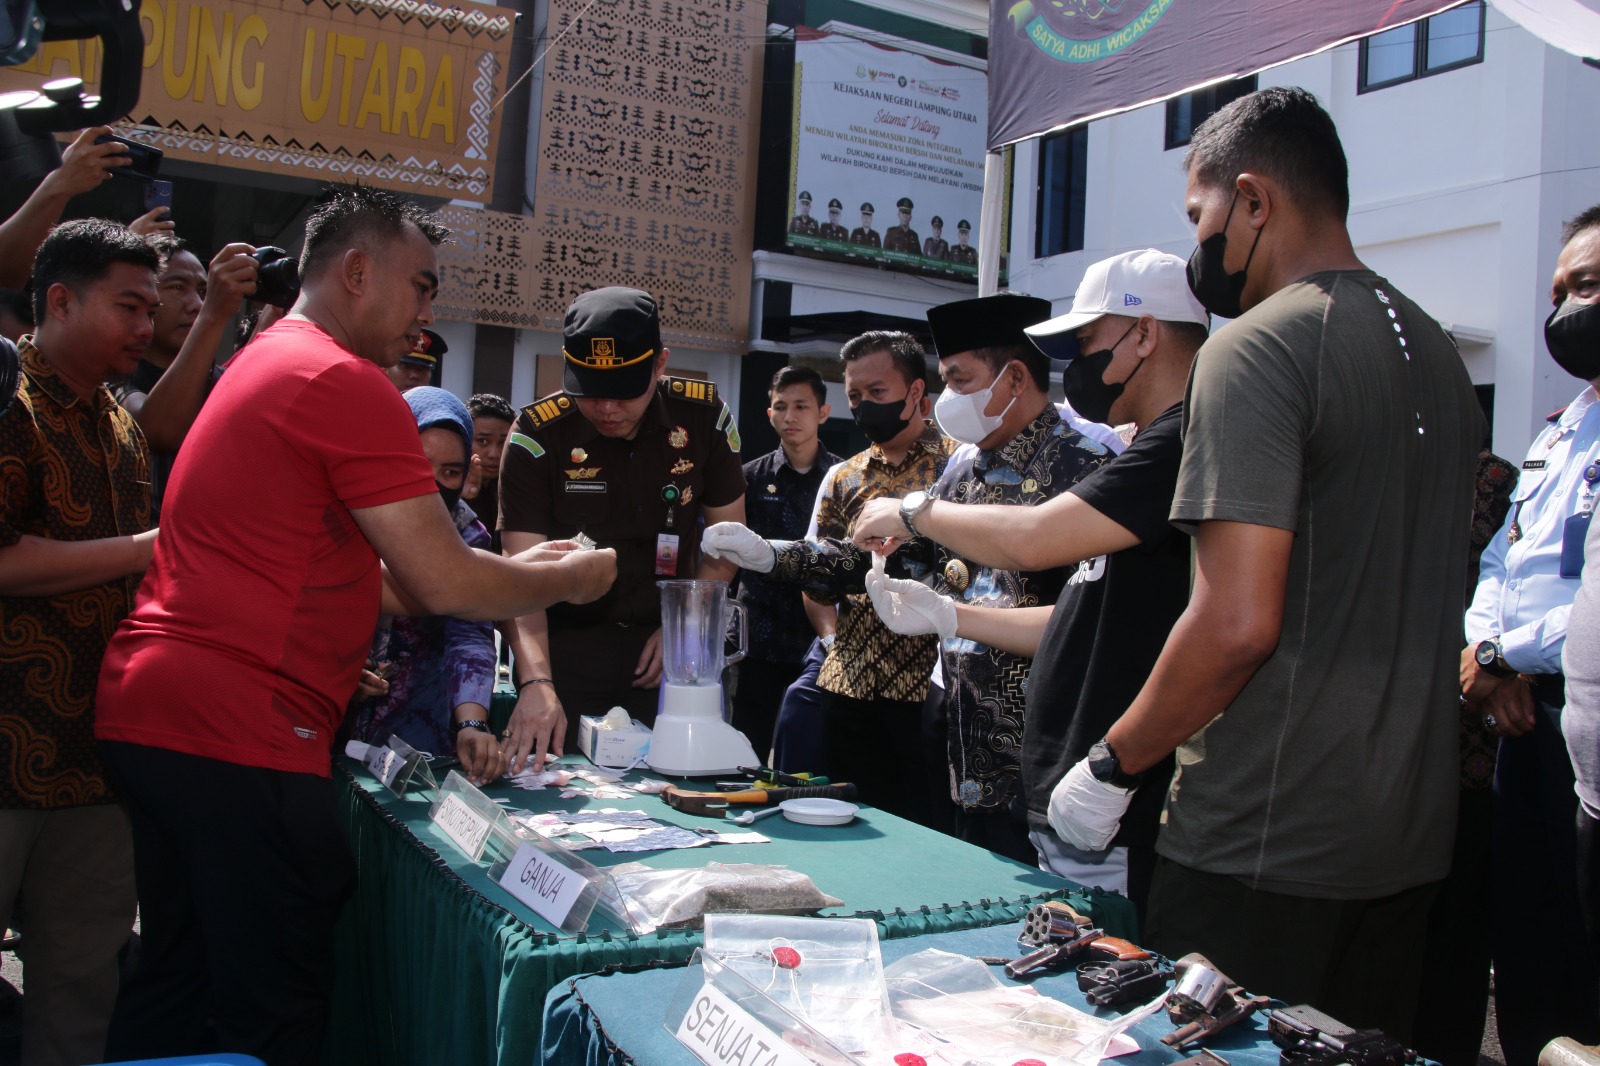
(1337, 409)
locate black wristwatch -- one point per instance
(911, 509)
(472, 723)
(1105, 766)
(1491, 661)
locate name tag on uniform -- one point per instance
(666, 555)
(586, 486)
(1533, 464)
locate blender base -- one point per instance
(690, 739)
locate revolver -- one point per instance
(1057, 933)
(1205, 1001)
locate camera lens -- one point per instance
(277, 277)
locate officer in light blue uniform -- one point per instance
(1511, 671)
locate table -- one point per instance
(436, 963)
(615, 1018)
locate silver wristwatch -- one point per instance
(911, 509)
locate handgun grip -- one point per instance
(1119, 948)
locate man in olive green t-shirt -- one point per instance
(1310, 687)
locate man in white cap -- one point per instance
(1130, 339)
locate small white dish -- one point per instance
(819, 811)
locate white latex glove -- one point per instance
(910, 608)
(1085, 811)
(740, 544)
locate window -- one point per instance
(1063, 181)
(1186, 112)
(1443, 42)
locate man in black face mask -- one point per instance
(872, 682)
(1130, 338)
(1309, 688)
(1518, 645)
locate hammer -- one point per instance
(715, 804)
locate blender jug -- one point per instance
(693, 626)
(690, 738)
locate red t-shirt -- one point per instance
(251, 627)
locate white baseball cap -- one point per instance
(1145, 282)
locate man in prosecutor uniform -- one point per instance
(864, 233)
(833, 230)
(632, 459)
(901, 237)
(803, 223)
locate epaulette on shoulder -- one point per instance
(693, 389)
(1555, 416)
(552, 408)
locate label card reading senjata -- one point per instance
(465, 827)
(543, 884)
(722, 1033)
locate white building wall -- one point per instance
(1459, 184)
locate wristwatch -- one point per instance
(1105, 766)
(1491, 661)
(911, 509)
(471, 723)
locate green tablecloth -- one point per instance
(439, 964)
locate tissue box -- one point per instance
(612, 747)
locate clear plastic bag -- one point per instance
(827, 972)
(681, 898)
(976, 1018)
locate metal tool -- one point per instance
(715, 804)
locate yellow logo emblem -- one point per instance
(678, 438)
(682, 466)
(583, 473)
(602, 351)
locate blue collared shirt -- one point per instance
(1522, 598)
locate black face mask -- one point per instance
(1217, 290)
(1086, 392)
(451, 498)
(881, 422)
(1572, 333)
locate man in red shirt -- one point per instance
(221, 692)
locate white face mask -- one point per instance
(960, 416)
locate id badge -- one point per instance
(1573, 533)
(667, 554)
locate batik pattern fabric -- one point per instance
(72, 468)
(985, 687)
(867, 660)
(436, 664)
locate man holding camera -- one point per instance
(231, 674)
(197, 309)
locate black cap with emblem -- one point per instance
(610, 342)
(428, 351)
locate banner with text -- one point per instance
(396, 93)
(1057, 62)
(888, 156)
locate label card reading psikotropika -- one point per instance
(722, 1033)
(465, 827)
(543, 884)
